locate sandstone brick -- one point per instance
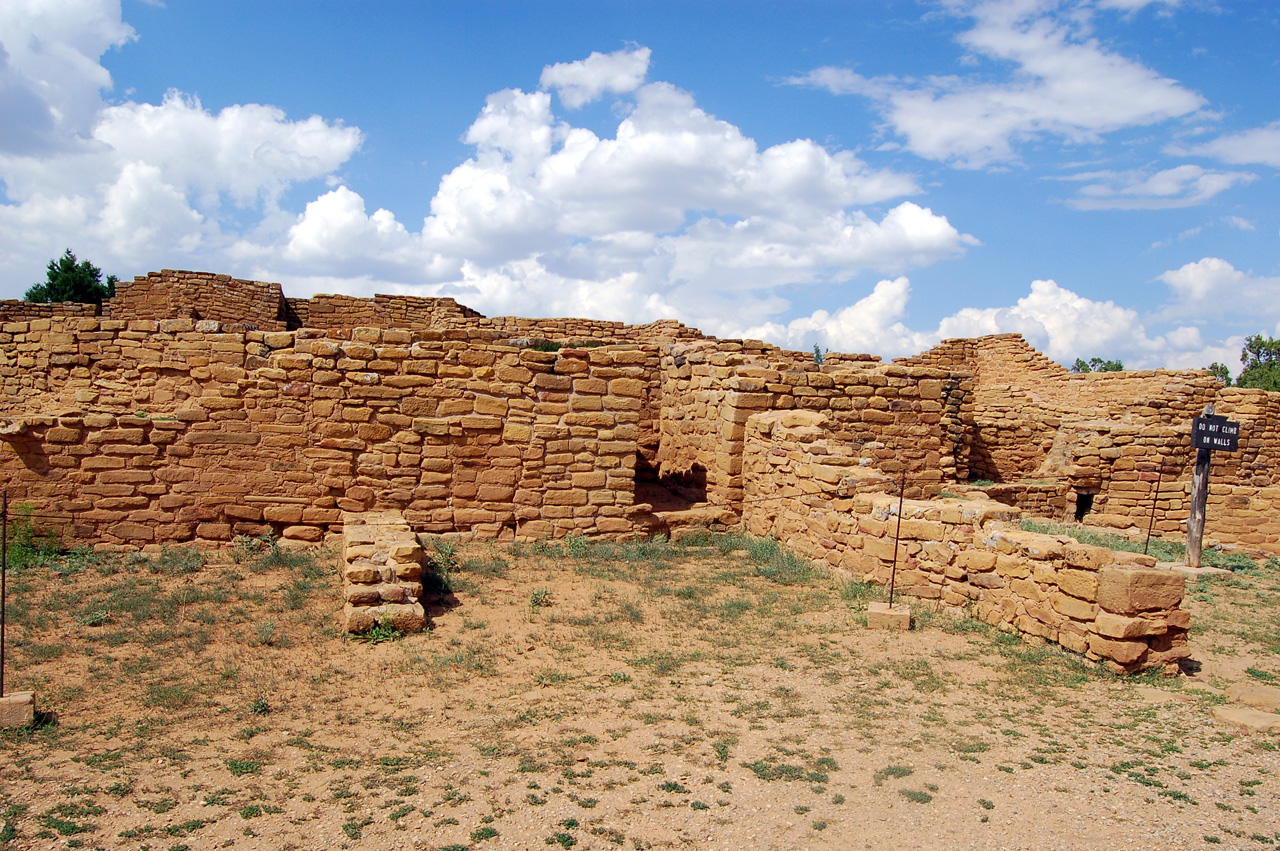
(1073, 608)
(1118, 626)
(1079, 583)
(1131, 590)
(1124, 652)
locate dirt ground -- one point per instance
(715, 693)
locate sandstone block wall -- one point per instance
(381, 311)
(1106, 436)
(171, 294)
(896, 417)
(382, 564)
(142, 432)
(1112, 606)
(12, 310)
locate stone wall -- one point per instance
(170, 294)
(897, 417)
(1106, 437)
(585, 330)
(12, 310)
(381, 311)
(806, 488)
(142, 432)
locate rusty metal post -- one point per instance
(893, 572)
(1154, 500)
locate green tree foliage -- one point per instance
(1261, 359)
(1096, 365)
(1221, 372)
(70, 280)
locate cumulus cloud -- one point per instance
(1212, 287)
(50, 77)
(1063, 324)
(132, 183)
(1260, 145)
(871, 325)
(1180, 186)
(1065, 84)
(579, 83)
(678, 214)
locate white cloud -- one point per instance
(679, 214)
(131, 184)
(1065, 85)
(247, 151)
(579, 83)
(871, 325)
(1180, 186)
(50, 77)
(1259, 145)
(1202, 279)
(1211, 287)
(1061, 323)
(1239, 223)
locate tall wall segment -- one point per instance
(141, 432)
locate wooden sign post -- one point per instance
(1208, 432)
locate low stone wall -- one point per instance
(382, 563)
(12, 310)
(381, 311)
(1051, 500)
(802, 489)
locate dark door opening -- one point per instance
(1084, 504)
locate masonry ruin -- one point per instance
(196, 408)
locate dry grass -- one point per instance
(716, 693)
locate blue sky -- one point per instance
(1099, 175)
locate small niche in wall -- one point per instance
(1084, 504)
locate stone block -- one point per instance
(18, 709)
(987, 580)
(214, 531)
(1124, 652)
(1079, 583)
(1086, 557)
(976, 561)
(1127, 590)
(884, 616)
(1073, 608)
(1266, 698)
(1119, 626)
(1244, 718)
(309, 534)
(881, 548)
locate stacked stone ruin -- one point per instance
(196, 408)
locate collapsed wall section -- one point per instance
(142, 432)
(805, 489)
(1114, 448)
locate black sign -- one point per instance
(1215, 433)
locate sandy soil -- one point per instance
(718, 696)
